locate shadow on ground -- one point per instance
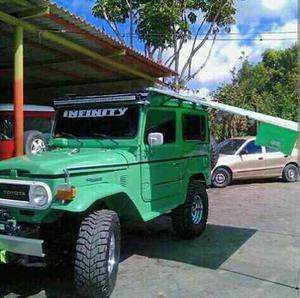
(153, 240)
(211, 250)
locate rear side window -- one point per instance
(194, 127)
(163, 122)
(271, 150)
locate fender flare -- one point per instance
(87, 196)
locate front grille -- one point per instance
(14, 192)
(5, 173)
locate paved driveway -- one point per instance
(251, 248)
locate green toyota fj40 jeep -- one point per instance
(111, 158)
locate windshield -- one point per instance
(230, 147)
(95, 122)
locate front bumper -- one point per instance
(22, 246)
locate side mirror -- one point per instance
(155, 139)
(243, 152)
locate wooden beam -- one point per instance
(72, 83)
(34, 13)
(50, 62)
(89, 62)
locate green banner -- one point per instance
(276, 137)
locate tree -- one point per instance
(167, 25)
(267, 87)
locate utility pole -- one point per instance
(131, 24)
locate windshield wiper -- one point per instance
(73, 137)
(104, 136)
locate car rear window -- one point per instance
(41, 124)
(271, 150)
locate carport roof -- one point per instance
(51, 66)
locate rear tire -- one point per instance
(221, 177)
(290, 173)
(97, 254)
(189, 219)
(214, 152)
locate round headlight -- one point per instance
(39, 196)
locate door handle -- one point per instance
(260, 158)
(175, 164)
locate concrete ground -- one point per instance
(251, 248)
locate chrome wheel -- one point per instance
(112, 255)
(197, 209)
(220, 178)
(291, 173)
(37, 146)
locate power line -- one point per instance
(258, 39)
(246, 39)
(258, 33)
(234, 33)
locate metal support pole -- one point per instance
(131, 23)
(18, 91)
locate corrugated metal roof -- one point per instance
(49, 66)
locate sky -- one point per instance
(269, 20)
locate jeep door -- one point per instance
(161, 164)
(195, 144)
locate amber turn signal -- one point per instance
(66, 193)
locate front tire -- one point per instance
(97, 254)
(290, 173)
(189, 219)
(221, 177)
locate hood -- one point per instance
(54, 162)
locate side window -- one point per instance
(194, 127)
(163, 122)
(271, 150)
(251, 148)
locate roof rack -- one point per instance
(108, 98)
(172, 94)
